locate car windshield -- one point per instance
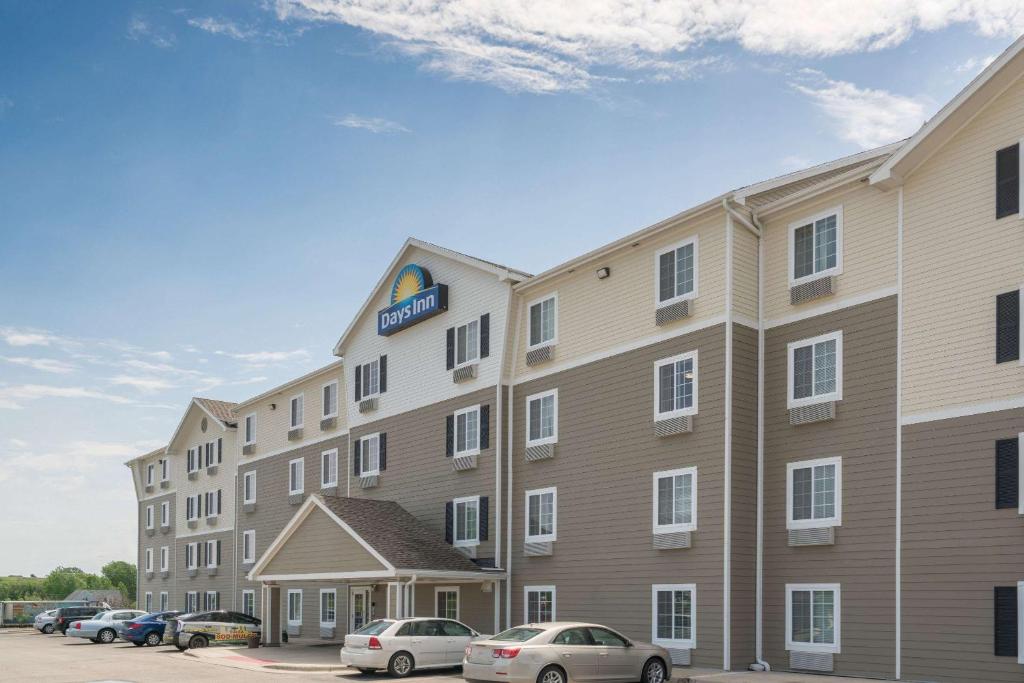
(374, 628)
(518, 635)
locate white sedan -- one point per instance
(403, 645)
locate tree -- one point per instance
(122, 575)
(63, 581)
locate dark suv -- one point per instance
(65, 615)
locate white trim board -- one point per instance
(246, 459)
(967, 410)
(832, 307)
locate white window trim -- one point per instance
(288, 608)
(209, 496)
(165, 513)
(165, 470)
(193, 455)
(363, 394)
(165, 558)
(320, 607)
(832, 648)
(692, 410)
(472, 360)
(165, 601)
(1020, 489)
(675, 528)
(837, 518)
(192, 601)
(465, 543)
(838, 268)
(542, 538)
(249, 476)
(1020, 615)
(455, 432)
(683, 643)
(323, 415)
(539, 589)
(302, 401)
(836, 395)
(211, 602)
(149, 601)
(529, 322)
(363, 440)
(150, 474)
(149, 559)
(689, 296)
(150, 516)
(211, 558)
(547, 439)
(251, 593)
(332, 453)
(251, 536)
(194, 563)
(301, 478)
(244, 435)
(458, 600)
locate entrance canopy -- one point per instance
(355, 539)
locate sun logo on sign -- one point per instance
(410, 281)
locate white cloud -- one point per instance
(260, 358)
(224, 27)
(374, 125)
(550, 45)
(14, 336)
(974, 65)
(140, 29)
(868, 118)
(144, 384)
(43, 364)
(13, 397)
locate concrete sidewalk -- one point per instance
(295, 657)
(718, 676)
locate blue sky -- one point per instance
(196, 198)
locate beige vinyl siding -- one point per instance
(603, 468)
(599, 315)
(743, 555)
(319, 545)
(191, 435)
(310, 627)
(957, 547)
(868, 247)
(476, 608)
(863, 434)
(744, 273)
(957, 258)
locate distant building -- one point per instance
(112, 596)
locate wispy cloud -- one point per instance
(43, 364)
(374, 125)
(224, 27)
(14, 397)
(139, 29)
(974, 65)
(260, 358)
(144, 384)
(14, 336)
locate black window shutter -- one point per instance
(200, 547)
(485, 335)
(449, 522)
(1007, 473)
(1008, 326)
(484, 518)
(358, 380)
(449, 436)
(1006, 621)
(485, 427)
(1008, 181)
(382, 452)
(199, 505)
(355, 457)
(218, 564)
(220, 450)
(383, 374)
(218, 502)
(450, 348)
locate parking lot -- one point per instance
(27, 655)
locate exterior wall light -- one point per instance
(604, 272)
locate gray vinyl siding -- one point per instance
(156, 584)
(604, 563)
(476, 608)
(863, 433)
(202, 582)
(957, 547)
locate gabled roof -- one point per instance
(287, 385)
(221, 411)
(502, 273)
(158, 451)
(969, 102)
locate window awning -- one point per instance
(355, 539)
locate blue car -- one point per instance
(147, 629)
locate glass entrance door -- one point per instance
(359, 610)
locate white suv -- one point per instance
(403, 645)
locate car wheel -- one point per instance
(107, 635)
(400, 665)
(551, 674)
(48, 629)
(197, 641)
(366, 671)
(654, 671)
(153, 638)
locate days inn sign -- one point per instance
(414, 297)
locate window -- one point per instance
(194, 463)
(446, 602)
(673, 615)
(816, 370)
(543, 321)
(165, 513)
(370, 385)
(814, 493)
(467, 343)
(328, 600)
(149, 516)
(369, 455)
(296, 476)
(211, 602)
(329, 468)
(191, 601)
(542, 418)
(296, 412)
(250, 429)
(467, 431)
(192, 507)
(149, 559)
(812, 617)
(249, 487)
(165, 557)
(249, 546)
(213, 503)
(1008, 179)
(329, 396)
(212, 554)
(249, 602)
(1008, 609)
(149, 602)
(165, 473)
(1008, 326)
(675, 500)
(467, 521)
(149, 475)
(294, 606)
(164, 601)
(541, 515)
(538, 604)
(815, 247)
(192, 556)
(676, 272)
(675, 386)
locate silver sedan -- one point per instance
(44, 621)
(103, 627)
(559, 652)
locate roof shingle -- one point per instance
(222, 410)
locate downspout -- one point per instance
(234, 554)
(727, 475)
(508, 469)
(405, 586)
(899, 434)
(499, 453)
